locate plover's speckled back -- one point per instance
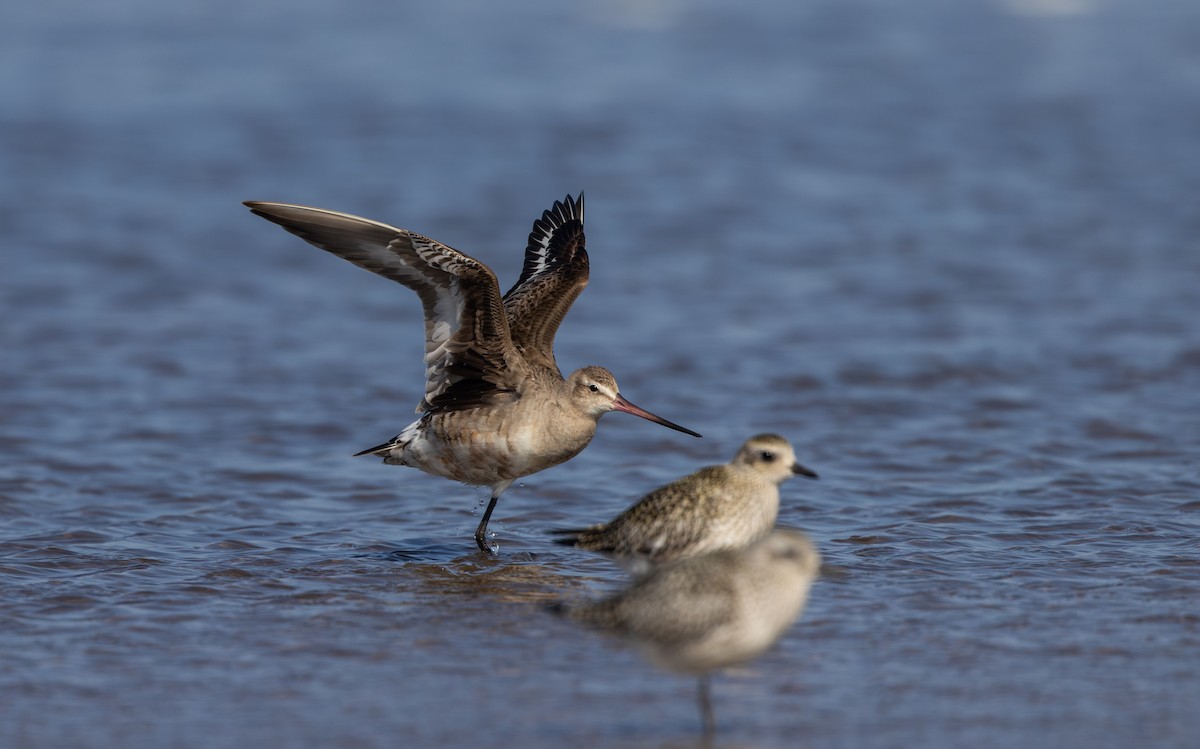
(496, 406)
(714, 610)
(718, 507)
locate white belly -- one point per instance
(477, 457)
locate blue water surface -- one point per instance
(949, 249)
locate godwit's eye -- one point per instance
(593, 388)
(767, 456)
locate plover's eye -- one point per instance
(767, 456)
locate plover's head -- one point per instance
(772, 457)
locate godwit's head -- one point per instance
(771, 457)
(593, 390)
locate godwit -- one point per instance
(718, 507)
(496, 406)
(711, 611)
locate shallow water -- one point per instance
(948, 249)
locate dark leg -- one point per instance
(481, 531)
(706, 711)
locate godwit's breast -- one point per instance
(536, 439)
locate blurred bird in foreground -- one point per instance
(712, 611)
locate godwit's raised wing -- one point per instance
(555, 272)
(469, 355)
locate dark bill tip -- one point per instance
(807, 473)
(620, 404)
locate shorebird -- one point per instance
(711, 611)
(718, 507)
(496, 406)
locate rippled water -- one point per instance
(949, 249)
